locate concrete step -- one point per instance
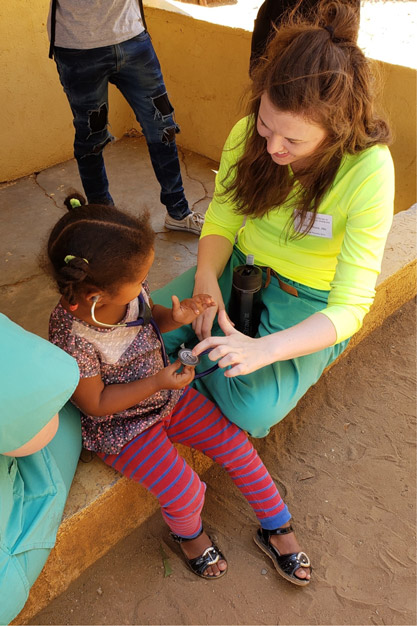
(103, 506)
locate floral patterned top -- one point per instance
(119, 355)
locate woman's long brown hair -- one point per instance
(315, 69)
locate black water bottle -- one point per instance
(245, 301)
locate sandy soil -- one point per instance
(345, 461)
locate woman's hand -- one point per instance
(213, 254)
(203, 324)
(171, 378)
(188, 310)
(243, 353)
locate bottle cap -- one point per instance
(247, 279)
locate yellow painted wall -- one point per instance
(205, 67)
(398, 100)
(36, 122)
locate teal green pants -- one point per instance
(33, 491)
(257, 401)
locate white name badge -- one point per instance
(322, 226)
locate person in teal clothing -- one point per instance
(306, 186)
(40, 443)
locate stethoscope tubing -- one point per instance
(141, 322)
(207, 371)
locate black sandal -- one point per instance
(285, 564)
(198, 565)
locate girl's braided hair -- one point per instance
(96, 247)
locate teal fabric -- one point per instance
(33, 491)
(65, 449)
(37, 379)
(257, 401)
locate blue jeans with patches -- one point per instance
(134, 68)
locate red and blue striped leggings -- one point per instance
(152, 460)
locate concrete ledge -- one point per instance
(103, 507)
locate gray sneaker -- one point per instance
(192, 223)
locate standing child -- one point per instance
(134, 406)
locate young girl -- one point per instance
(133, 405)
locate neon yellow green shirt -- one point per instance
(343, 253)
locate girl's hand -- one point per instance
(243, 353)
(171, 378)
(187, 310)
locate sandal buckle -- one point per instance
(303, 559)
(213, 557)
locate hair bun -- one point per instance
(75, 268)
(340, 19)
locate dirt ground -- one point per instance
(345, 462)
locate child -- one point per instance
(133, 406)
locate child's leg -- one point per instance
(151, 460)
(198, 423)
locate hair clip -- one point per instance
(334, 39)
(330, 30)
(70, 257)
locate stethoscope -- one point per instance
(185, 355)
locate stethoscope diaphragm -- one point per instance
(186, 357)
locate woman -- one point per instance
(310, 174)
